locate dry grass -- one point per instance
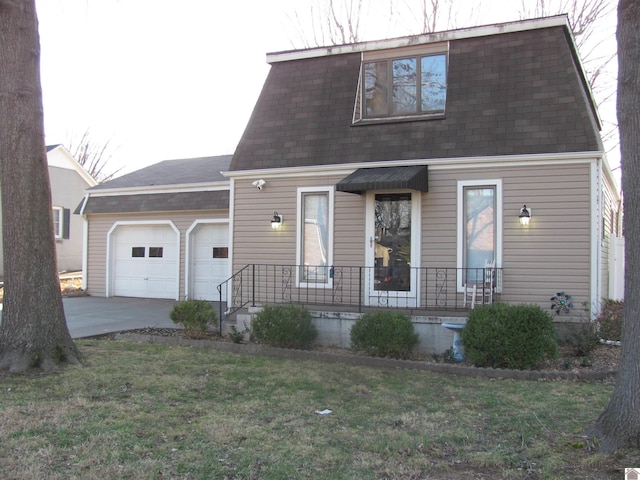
(68, 287)
(151, 411)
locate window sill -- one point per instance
(387, 120)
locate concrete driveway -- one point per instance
(88, 316)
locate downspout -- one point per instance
(85, 242)
(596, 236)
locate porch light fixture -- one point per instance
(276, 221)
(525, 216)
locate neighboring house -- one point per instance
(413, 159)
(159, 232)
(68, 183)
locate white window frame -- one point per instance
(329, 191)
(59, 211)
(462, 184)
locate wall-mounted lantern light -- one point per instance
(276, 221)
(525, 216)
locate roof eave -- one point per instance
(471, 32)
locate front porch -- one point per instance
(336, 296)
(423, 291)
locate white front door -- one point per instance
(393, 220)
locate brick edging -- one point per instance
(358, 360)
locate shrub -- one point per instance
(384, 334)
(195, 316)
(610, 320)
(509, 336)
(582, 338)
(285, 326)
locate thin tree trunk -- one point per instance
(618, 426)
(34, 332)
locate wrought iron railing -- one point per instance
(415, 288)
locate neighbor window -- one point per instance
(479, 228)
(404, 86)
(61, 222)
(315, 216)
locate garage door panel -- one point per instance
(209, 262)
(146, 261)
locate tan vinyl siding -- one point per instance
(552, 254)
(99, 226)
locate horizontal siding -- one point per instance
(99, 226)
(551, 255)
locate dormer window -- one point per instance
(403, 83)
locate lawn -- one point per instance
(157, 412)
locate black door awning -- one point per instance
(385, 178)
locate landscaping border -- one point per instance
(361, 360)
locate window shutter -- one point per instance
(66, 217)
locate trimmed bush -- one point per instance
(509, 336)
(195, 316)
(384, 334)
(284, 326)
(610, 320)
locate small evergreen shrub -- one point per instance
(194, 316)
(509, 336)
(384, 333)
(285, 326)
(610, 320)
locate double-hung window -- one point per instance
(315, 236)
(403, 83)
(61, 218)
(479, 228)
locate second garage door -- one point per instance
(209, 259)
(145, 261)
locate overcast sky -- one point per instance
(161, 79)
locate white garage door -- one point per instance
(145, 261)
(210, 260)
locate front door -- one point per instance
(392, 248)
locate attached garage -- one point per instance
(159, 232)
(145, 260)
(209, 259)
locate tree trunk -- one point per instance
(618, 426)
(33, 332)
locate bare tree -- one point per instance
(331, 22)
(618, 426)
(93, 157)
(33, 332)
(587, 18)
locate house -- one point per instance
(68, 183)
(159, 232)
(352, 189)
(398, 172)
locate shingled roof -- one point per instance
(173, 172)
(135, 192)
(520, 92)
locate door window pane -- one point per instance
(393, 242)
(155, 252)
(137, 252)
